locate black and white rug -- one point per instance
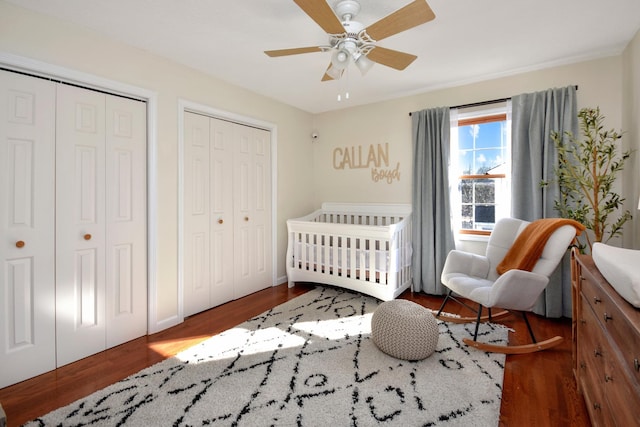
(308, 362)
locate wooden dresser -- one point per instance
(606, 347)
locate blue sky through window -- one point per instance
(481, 147)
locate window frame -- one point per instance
(481, 116)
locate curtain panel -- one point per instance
(534, 158)
(431, 225)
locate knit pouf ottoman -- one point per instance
(404, 329)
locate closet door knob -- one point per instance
(19, 244)
(246, 218)
(87, 237)
(220, 221)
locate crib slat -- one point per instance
(352, 272)
(395, 270)
(385, 256)
(326, 259)
(299, 251)
(371, 251)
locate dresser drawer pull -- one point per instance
(607, 317)
(636, 364)
(596, 406)
(596, 300)
(597, 353)
(583, 365)
(607, 378)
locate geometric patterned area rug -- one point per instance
(307, 362)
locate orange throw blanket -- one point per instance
(528, 247)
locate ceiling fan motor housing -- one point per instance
(347, 9)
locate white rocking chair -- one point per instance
(476, 278)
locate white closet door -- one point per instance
(126, 234)
(222, 215)
(227, 212)
(252, 225)
(196, 232)
(80, 223)
(27, 322)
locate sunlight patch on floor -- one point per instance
(168, 348)
(247, 342)
(335, 329)
(238, 340)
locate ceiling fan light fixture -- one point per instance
(364, 64)
(340, 59)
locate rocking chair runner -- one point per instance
(476, 277)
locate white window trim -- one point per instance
(456, 116)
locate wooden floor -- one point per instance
(538, 389)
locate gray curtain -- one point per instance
(431, 225)
(534, 157)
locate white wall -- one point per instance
(31, 35)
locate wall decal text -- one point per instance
(374, 157)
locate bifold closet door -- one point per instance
(80, 224)
(27, 151)
(196, 240)
(252, 209)
(227, 211)
(100, 222)
(126, 216)
(208, 224)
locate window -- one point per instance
(480, 159)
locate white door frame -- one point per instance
(194, 107)
(50, 71)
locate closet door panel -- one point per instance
(252, 183)
(197, 274)
(27, 323)
(80, 223)
(262, 205)
(126, 234)
(244, 248)
(221, 213)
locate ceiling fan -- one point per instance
(350, 41)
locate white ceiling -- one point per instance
(469, 41)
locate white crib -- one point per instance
(362, 247)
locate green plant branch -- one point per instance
(585, 174)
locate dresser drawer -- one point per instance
(621, 393)
(591, 364)
(616, 323)
(593, 345)
(594, 401)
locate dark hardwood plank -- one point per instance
(538, 388)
